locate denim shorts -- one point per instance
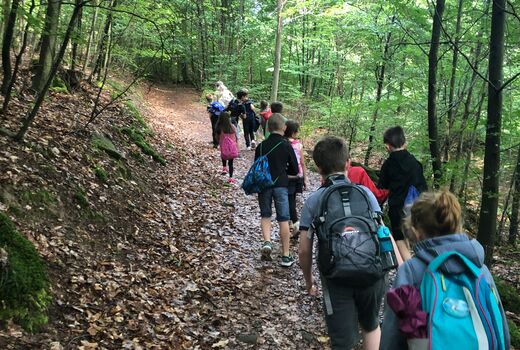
(281, 203)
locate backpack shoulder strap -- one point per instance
(272, 149)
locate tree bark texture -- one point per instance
(277, 51)
(6, 46)
(47, 50)
(432, 93)
(490, 193)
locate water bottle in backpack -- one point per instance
(386, 249)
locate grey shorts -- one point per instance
(352, 306)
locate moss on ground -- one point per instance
(101, 173)
(514, 331)
(41, 197)
(508, 295)
(103, 143)
(81, 197)
(137, 137)
(24, 283)
(58, 85)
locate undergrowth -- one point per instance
(24, 284)
(137, 137)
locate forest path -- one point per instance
(246, 303)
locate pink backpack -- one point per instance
(228, 147)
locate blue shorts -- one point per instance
(281, 203)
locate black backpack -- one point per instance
(346, 227)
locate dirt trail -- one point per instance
(254, 304)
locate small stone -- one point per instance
(55, 151)
(248, 338)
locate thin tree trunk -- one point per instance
(47, 50)
(91, 35)
(103, 44)
(40, 96)
(18, 61)
(277, 51)
(432, 93)
(488, 212)
(6, 7)
(75, 44)
(6, 46)
(505, 208)
(515, 210)
(451, 93)
(472, 140)
(380, 76)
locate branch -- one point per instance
(509, 81)
(411, 37)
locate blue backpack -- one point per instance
(259, 177)
(464, 310)
(411, 197)
(215, 108)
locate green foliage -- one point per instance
(101, 173)
(24, 284)
(137, 137)
(134, 112)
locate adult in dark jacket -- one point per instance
(399, 171)
(282, 162)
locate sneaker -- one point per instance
(231, 181)
(287, 261)
(266, 250)
(253, 144)
(249, 148)
(224, 170)
(296, 226)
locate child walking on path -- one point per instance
(399, 171)
(248, 118)
(296, 183)
(265, 113)
(436, 223)
(228, 141)
(350, 305)
(282, 162)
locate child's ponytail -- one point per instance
(436, 214)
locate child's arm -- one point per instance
(396, 251)
(305, 260)
(304, 168)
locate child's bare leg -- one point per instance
(285, 237)
(404, 250)
(265, 224)
(371, 339)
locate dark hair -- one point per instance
(276, 122)
(436, 214)
(224, 124)
(394, 137)
(276, 107)
(292, 127)
(330, 155)
(263, 104)
(242, 93)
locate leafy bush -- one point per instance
(24, 284)
(515, 334)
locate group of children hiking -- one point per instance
(443, 296)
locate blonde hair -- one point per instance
(436, 214)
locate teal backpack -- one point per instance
(464, 310)
(259, 177)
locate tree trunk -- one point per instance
(91, 35)
(467, 102)
(451, 94)
(432, 93)
(513, 225)
(277, 51)
(6, 6)
(47, 50)
(75, 44)
(103, 44)
(6, 46)
(380, 76)
(17, 63)
(488, 211)
(40, 96)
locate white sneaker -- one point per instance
(253, 144)
(249, 148)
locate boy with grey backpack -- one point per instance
(345, 218)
